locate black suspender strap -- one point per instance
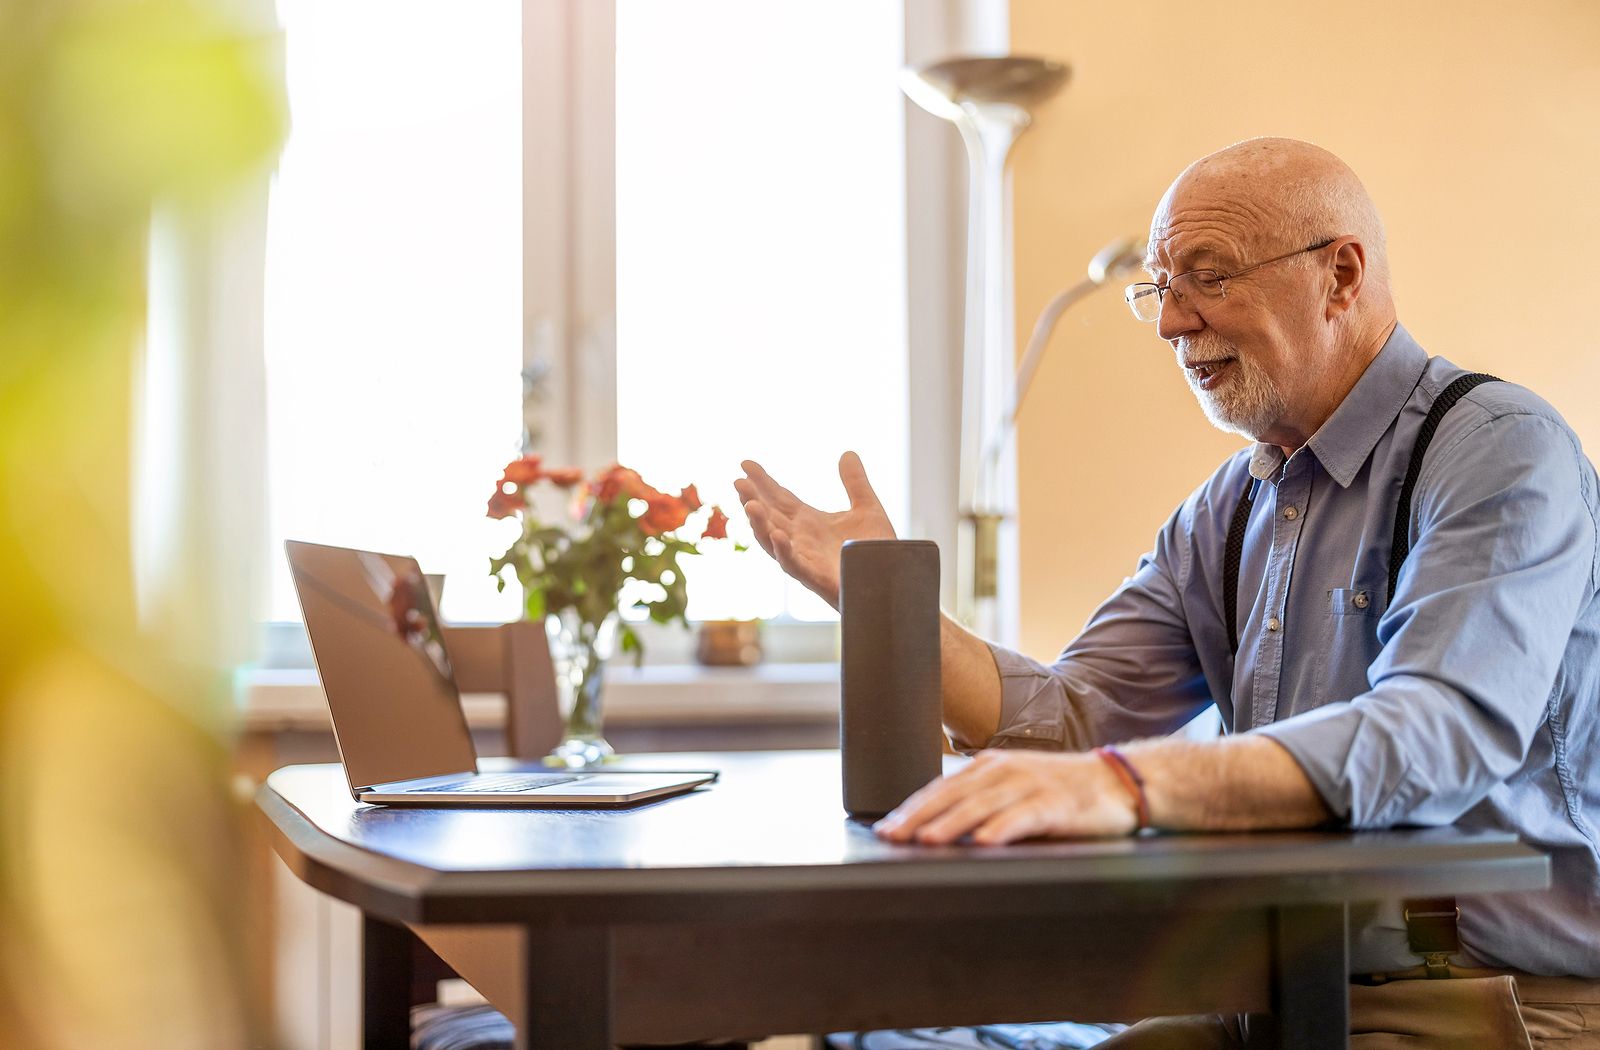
(1231, 553)
(1430, 922)
(1233, 550)
(1431, 932)
(1402, 513)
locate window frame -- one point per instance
(569, 244)
(569, 278)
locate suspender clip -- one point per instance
(1431, 932)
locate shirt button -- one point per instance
(1361, 601)
(1274, 623)
(1290, 513)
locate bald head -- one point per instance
(1279, 332)
(1286, 194)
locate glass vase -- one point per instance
(578, 653)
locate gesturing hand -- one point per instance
(1003, 796)
(804, 540)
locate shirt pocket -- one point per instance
(1350, 644)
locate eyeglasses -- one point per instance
(1144, 298)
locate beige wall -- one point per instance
(1476, 127)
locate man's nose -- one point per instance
(1177, 317)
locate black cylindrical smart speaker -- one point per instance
(889, 730)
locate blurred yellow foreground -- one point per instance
(119, 853)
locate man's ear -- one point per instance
(1349, 270)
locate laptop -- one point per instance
(396, 710)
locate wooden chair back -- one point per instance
(513, 659)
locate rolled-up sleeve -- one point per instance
(1503, 558)
(1132, 673)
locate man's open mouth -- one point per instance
(1207, 373)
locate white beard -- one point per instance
(1249, 403)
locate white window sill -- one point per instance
(669, 694)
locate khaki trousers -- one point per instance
(1473, 1010)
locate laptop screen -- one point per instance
(380, 654)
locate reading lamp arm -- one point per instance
(1115, 259)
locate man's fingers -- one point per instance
(856, 485)
(783, 552)
(760, 513)
(974, 810)
(1025, 820)
(1006, 796)
(760, 525)
(774, 539)
(1048, 814)
(931, 801)
(764, 519)
(924, 804)
(767, 489)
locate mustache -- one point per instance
(1204, 349)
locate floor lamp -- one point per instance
(1117, 259)
(990, 100)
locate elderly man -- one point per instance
(1466, 690)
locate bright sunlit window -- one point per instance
(760, 256)
(761, 260)
(393, 302)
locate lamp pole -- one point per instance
(989, 99)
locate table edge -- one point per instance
(408, 892)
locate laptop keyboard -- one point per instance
(501, 783)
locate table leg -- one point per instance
(1311, 976)
(385, 985)
(567, 988)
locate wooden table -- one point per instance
(755, 907)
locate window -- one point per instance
(394, 282)
(761, 288)
(442, 217)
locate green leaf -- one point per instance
(630, 643)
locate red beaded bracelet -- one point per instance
(1131, 780)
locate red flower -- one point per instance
(665, 513)
(503, 504)
(566, 477)
(716, 526)
(690, 497)
(619, 480)
(524, 471)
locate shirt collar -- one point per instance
(1343, 443)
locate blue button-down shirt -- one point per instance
(1473, 698)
